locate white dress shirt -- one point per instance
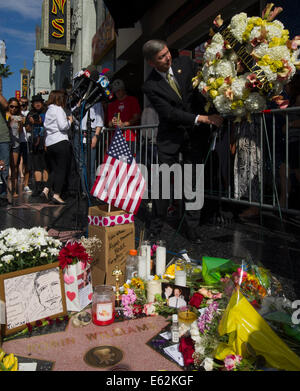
(56, 125)
(96, 114)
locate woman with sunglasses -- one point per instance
(15, 121)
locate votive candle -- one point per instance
(153, 288)
(160, 258)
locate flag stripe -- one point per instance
(120, 181)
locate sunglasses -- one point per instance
(23, 104)
(13, 107)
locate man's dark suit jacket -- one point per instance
(176, 116)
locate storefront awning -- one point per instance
(126, 13)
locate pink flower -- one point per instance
(231, 361)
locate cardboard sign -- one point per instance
(116, 241)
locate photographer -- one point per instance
(34, 125)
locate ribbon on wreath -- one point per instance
(111, 221)
(244, 56)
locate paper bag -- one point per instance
(78, 286)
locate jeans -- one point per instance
(4, 155)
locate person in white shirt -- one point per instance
(177, 300)
(24, 166)
(97, 123)
(58, 146)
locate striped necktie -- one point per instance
(173, 84)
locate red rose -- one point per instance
(196, 300)
(186, 347)
(137, 309)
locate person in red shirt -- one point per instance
(129, 109)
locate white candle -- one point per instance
(180, 278)
(160, 260)
(142, 267)
(153, 288)
(146, 252)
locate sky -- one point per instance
(18, 20)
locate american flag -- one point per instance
(120, 182)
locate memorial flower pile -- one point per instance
(247, 63)
(26, 248)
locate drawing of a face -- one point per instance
(48, 290)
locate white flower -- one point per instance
(212, 50)
(273, 31)
(208, 364)
(217, 39)
(7, 258)
(53, 251)
(43, 255)
(222, 104)
(225, 69)
(238, 86)
(255, 103)
(238, 25)
(208, 71)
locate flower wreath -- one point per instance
(228, 83)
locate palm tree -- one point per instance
(4, 73)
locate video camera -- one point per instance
(89, 88)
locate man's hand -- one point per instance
(94, 142)
(115, 122)
(213, 119)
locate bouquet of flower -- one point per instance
(134, 301)
(247, 64)
(253, 281)
(26, 248)
(72, 253)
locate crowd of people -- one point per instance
(36, 151)
(35, 142)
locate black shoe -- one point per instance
(44, 198)
(56, 202)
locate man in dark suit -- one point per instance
(169, 89)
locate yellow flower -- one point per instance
(138, 283)
(126, 287)
(236, 104)
(10, 362)
(2, 354)
(213, 93)
(156, 277)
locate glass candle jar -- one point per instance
(103, 307)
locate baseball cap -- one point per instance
(117, 85)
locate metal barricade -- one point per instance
(260, 167)
(267, 181)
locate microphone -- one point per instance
(83, 76)
(101, 86)
(93, 79)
